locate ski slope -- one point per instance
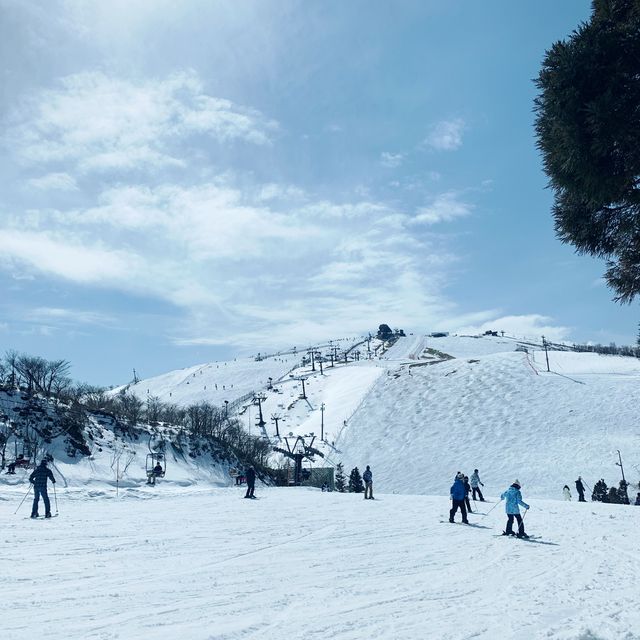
(502, 413)
(300, 564)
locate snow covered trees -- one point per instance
(355, 481)
(341, 479)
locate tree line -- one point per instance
(206, 427)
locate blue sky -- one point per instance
(183, 182)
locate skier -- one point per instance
(467, 491)
(367, 476)
(566, 492)
(251, 482)
(513, 498)
(475, 485)
(580, 489)
(39, 481)
(457, 498)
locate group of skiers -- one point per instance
(463, 486)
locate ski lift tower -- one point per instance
(299, 451)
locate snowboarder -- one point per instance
(513, 498)
(580, 489)
(367, 476)
(566, 492)
(467, 491)
(250, 475)
(457, 499)
(475, 485)
(39, 481)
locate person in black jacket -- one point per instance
(39, 480)
(467, 491)
(580, 489)
(251, 482)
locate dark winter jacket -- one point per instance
(40, 475)
(457, 489)
(367, 476)
(251, 475)
(579, 486)
(467, 488)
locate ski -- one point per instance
(55, 515)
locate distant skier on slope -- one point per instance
(475, 485)
(566, 492)
(467, 491)
(457, 499)
(513, 498)
(39, 480)
(250, 476)
(580, 489)
(367, 476)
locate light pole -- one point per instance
(624, 482)
(226, 409)
(546, 353)
(322, 422)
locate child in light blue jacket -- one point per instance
(513, 499)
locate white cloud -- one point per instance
(391, 160)
(99, 122)
(446, 135)
(62, 316)
(444, 208)
(532, 327)
(54, 181)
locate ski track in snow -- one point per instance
(206, 564)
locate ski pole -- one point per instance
(23, 499)
(492, 508)
(55, 495)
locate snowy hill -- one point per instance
(501, 412)
(427, 407)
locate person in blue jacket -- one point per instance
(39, 480)
(457, 498)
(513, 499)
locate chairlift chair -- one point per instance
(153, 460)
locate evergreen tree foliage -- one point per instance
(614, 496)
(588, 130)
(341, 479)
(600, 492)
(355, 481)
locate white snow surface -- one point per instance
(201, 564)
(501, 413)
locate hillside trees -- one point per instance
(588, 130)
(355, 481)
(341, 479)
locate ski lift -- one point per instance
(155, 466)
(156, 461)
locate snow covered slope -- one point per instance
(300, 564)
(501, 412)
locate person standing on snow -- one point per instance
(39, 481)
(580, 489)
(566, 492)
(251, 482)
(457, 499)
(513, 498)
(467, 491)
(367, 476)
(475, 485)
